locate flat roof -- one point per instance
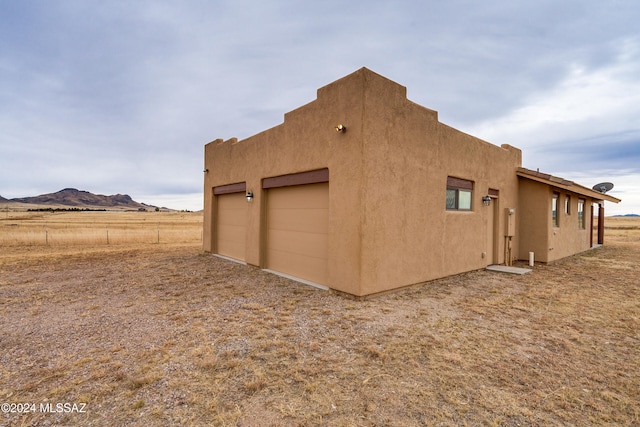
(564, 184)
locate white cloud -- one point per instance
(183, 201)
(587, 103)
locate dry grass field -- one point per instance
(163, 334)
(20, 228)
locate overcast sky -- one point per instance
(121, 96)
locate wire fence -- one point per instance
(67, 230)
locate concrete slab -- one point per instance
(508, 269)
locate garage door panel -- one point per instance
(297, 224)
(231, 233)
(231, 225)
(307, 244)
(304, 267)
(299, 197)
(309, 220)
(231, 248)
(233, 217)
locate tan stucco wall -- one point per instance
(534, 219)
(306, 141)
(388, 226)
(538, 235)
(407, 234)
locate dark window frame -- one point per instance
(456, 186)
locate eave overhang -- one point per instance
(564, 184)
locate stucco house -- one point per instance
(364, 191)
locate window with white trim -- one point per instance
(581, 214)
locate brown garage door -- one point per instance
(231, 225)
(297, 224)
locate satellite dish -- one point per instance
(603, 187)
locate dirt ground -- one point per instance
(161, 335)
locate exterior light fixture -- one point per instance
(249, 196)
(486, 200)
(206, 170)
(341, 128)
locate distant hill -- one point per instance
(626, 215)
(82, 199)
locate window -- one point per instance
(459, 194)
(554, 210)
(581, 214)
(567, 205)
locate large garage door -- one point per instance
(231, 225)
(297, 224)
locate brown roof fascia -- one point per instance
(564, 184)
(239, 187)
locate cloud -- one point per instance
(588, 113)
(117, 97)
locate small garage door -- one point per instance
(297, 225)
(231, 225)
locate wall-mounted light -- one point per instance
(249, 196)
(206, 170)
(341, 128)
(486, 200)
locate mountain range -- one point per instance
(81, 199)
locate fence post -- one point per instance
(46, 236)
(107, 227)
